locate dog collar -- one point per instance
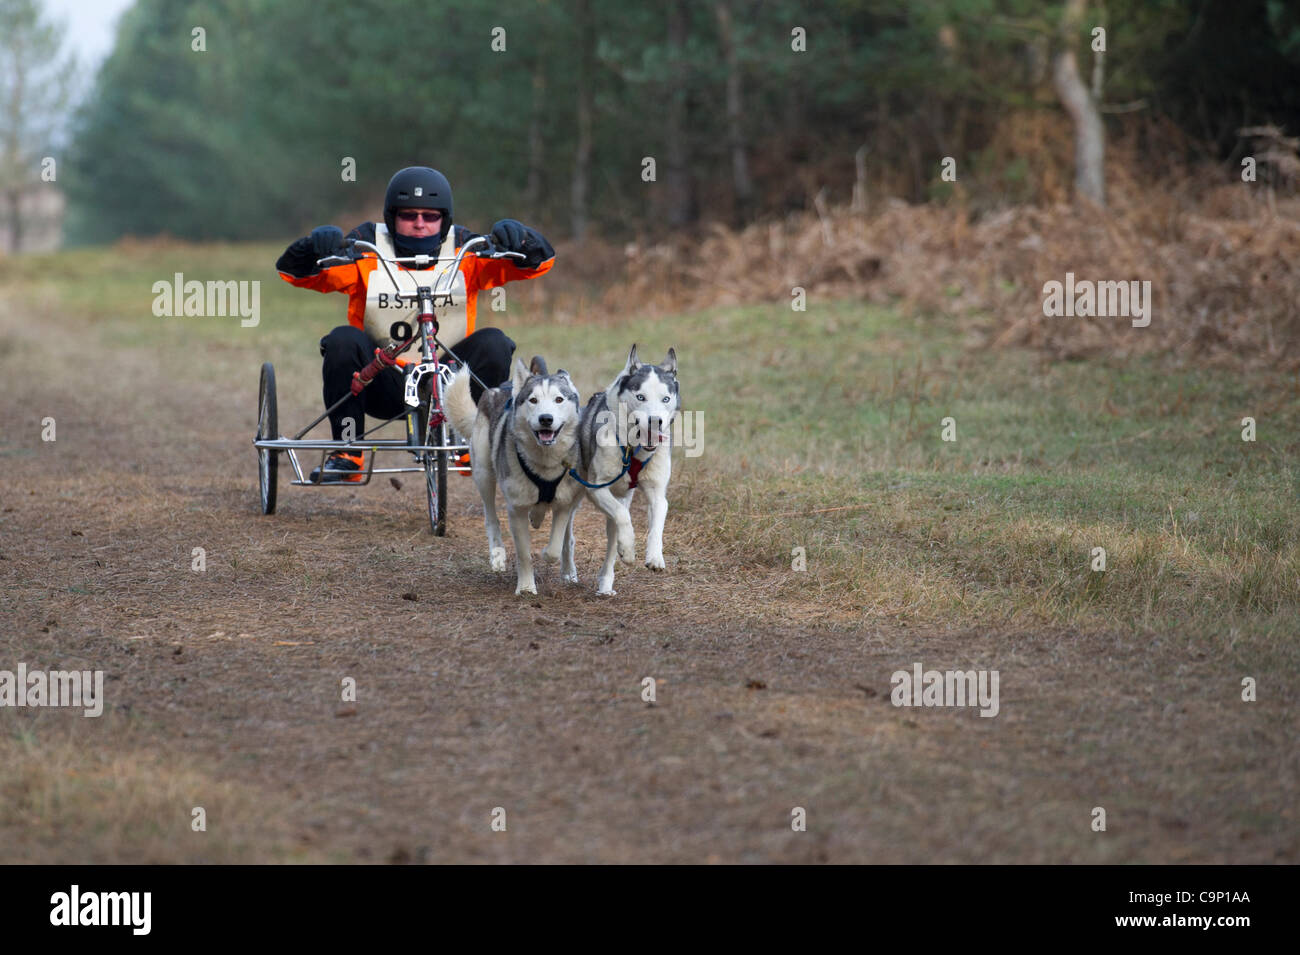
(632, 466)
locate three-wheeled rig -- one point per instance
(429, 437)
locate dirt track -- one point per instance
(224, 686)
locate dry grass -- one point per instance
(1221, 256)
(773, 686)
(106, 793)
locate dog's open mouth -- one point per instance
(650, 434)
(545, 437)
(651, 437)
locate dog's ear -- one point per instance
(670, 363)
(538, 365)
(572, 390)
(519, 377)
(632, 363)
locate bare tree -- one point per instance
(536, 150)
(586, 112)
(35, 88)
(679, 180)
(741, 185)
(1089, 133)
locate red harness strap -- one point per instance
(633, 469)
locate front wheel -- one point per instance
(435, 477)
(268, 462)
(435, 462)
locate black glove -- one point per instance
(326, 240)
(511, 236)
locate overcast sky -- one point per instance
(91, 26)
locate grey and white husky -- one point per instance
(625, 443)
(523, 438)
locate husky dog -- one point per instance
(523, 436)
(625, 442)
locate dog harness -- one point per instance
(545, 488)
(632, 466)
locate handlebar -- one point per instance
(419, 261)
(428, 323)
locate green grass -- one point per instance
(822, 430)
(841, 408)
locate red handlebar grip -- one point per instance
(384, 358)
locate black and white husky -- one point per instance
(625, 443)
(523, 437)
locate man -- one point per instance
(417, 221)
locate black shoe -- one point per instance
(339, 461)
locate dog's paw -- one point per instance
(610, 592)
(499, 559)
(550, 556)
(526, 588)
(571, 578)
(654, 561)
(626, 547)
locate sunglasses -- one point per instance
(416, 216)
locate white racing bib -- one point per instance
(387, 303)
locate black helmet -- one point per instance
(418, 187)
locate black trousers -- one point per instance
(348, 349)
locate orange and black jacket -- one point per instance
(297, 266)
